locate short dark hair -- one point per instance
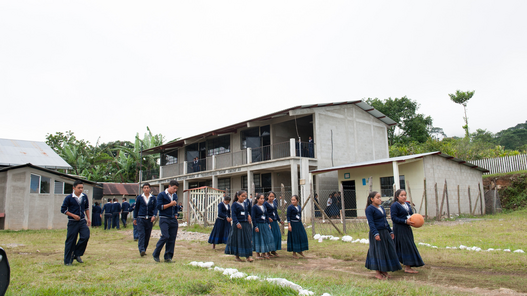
(109, 199)
(173, 183)
(77, 182)
(228, 198)
(115, 199)
(124, 198)
(146, 184)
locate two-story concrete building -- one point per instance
(277, 148)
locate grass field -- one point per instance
(113, 265)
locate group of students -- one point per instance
(111, 211)
(255, 227)
(391, 248)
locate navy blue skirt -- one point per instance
(277, 235)
(240, 241)
(263, 240)
(220, 232)
(96, 220)
(297, 239)
(382, 255)
(405, 246)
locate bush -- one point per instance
(514, 197)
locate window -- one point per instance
(224, 184)
(219, 145)
(63, 188)
(39, 184)
(387, 185)
(169, 157)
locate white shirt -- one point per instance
(330, 201)
(405, 206)
(169, 195)
(380, 209)
(77, 198)
(261, 208)
(146, 198)
(226, 207)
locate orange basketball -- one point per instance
(418, 220)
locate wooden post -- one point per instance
(480, 199)
(325, 215)
(494, 197)
(447, 202)
(438, 216)
(206, 209)
(409, 193)
(343, 210)
(188, 207)
(282, 195)
(422, 199)
(442, 200)
(469, 201)
(458, 200)
(312, 209)
(426, 202)
(370, 182)
(475, 206)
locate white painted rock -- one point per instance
(506, 250)
(519, 251)
(252, 278)
(347, 238)
(206, 264)
(238, 275)
(317, 236)
(305, 292)
(216, 268)
(326, 294)
(284, 283)
(229, 271)
(335, 238)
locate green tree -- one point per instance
(411, 126)
(461, 97)
(513, 137)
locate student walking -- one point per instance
(296, 236)
(168, 223)
(222, 226)
(145, 212)
(107, 209)
(400, 211)
(77, 208)
(382, 256)
(239, 242)
(116, 209)
(125, 209)
(272, 213)
(96, 215)
(263, 241)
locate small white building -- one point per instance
(463, 179)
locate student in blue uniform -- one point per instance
(168, 223)
(96, 215)
(263, 240)
(107, 209)
(77, 208)
(222, 226)
(405, 246)
(296, 235)
(239, 242)
(136, 235)
(145, 212)
(271, 206)
(125, 209)
(116, 209)
(382, 256)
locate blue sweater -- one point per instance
(224, 212)
(125, 206)
(293, 214)
(107, 208)
(399, 213)
(163, 199)
(141, 209)
(272, 212)
(377, 220)
(71, 205)
(116, 207)
(240, 213)
(258, 215)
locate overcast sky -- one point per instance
(108, 69)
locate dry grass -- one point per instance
(113, 265)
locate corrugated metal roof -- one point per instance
(232, 128)
(18, 152)
(67, 176)
(398, 159)
(120, 189)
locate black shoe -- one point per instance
(168, 260)
(156, 259)
(143, 254)
(136, 239)
(67, 264)
(78, 258)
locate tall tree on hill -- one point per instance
(462, 97)
(411, 126)
(513, 137)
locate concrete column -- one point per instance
(292, 147)
(213, 164)
(294, 178)
(215, 182)
(160, 174)
(185, 167)
(249, 156)
(185, 196)
(249, 182)
(305, 188)
(396, 175)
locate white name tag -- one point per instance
(263, 217)
(242, 213)
(297, 217)
(408, 217)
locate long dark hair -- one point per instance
(396, 195)
(238, 193)
(370, 196)
(257, 197)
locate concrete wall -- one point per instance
(438, 169)
(25, 210)
(3, 181)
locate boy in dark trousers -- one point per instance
(107, 210)
(116, 209)
(77, 208)
(125, 209)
